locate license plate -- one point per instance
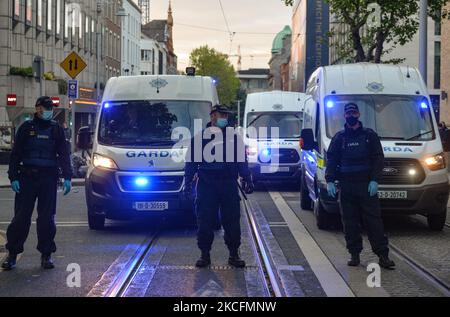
(151, 206)
(273, 169)
(393, 194)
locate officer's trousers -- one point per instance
(214, 195)
(356, 206)
(40, 186)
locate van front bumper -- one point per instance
(103, 196)
(291, 173)
(424, 200)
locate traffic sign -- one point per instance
(72, 91)
(73, 65)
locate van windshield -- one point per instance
(148, 122)
(392, 117)
(288, 123)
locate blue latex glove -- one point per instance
(15, 185)
(373, 188)
(331, 189)
(67, 186)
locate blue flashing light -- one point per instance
(265, 152)
(106, 105)
(330, 104)
(214, 82)
(141, 181)
(424, 105)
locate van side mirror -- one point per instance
(307, 140)
(84, 138)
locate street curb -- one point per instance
(75, 183)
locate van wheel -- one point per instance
(305, 200)
(96, 222)
(436, 222)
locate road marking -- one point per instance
(332, 282)
(210, 289)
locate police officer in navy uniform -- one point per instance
(40, 146)
(355, 158)
(217, 188)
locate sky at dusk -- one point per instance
(262, 18)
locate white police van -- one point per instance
(394, 102)
(274, 157)
(135, 168)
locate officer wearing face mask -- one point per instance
(355, 159)
(217, 187)
(40, 145)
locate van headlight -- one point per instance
(104, 162)
(436, 162)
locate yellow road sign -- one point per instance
(73, 65)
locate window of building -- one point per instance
(67, 20)
(80, 25)
(146, 55)
(49, 15)
(17, 9)
(86, 32)
(93, 36)
(58, 17)
(29, 11)
(437, 65)
(39, 16)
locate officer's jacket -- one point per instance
(354, 155)
(40, 144)
(228, 168)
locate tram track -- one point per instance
(120, 280)
(421, 270)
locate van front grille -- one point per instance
(155, 184)
(402, 172)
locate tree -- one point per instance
(374, 23)
(210, 62)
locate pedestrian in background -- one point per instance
(33, 171)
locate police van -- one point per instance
(394, 102)
(135, 167)
(273, 122)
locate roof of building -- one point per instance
(156, 30)
(255, 71)
(277, 44)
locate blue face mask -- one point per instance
(47, 115)
(222, 123)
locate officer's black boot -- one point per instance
(235, 260)
(355, 260)
(10, 262)
(204, 261)
(386, 263)
(47, 262)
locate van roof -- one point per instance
(171, 87)
(364, 78)
(271, 101)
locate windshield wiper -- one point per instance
(392, 138)
(419, 135)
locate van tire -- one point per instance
(322, 216)
(96, 222)
(436, 222)
(306, 202)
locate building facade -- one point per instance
(279, 62)
(52, 29)
(161, 32)
(254, 80)
(445, 72)
(310, 49)
(131, 39)
(153, 57)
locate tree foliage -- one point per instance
(373, 25)
(210, 62)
